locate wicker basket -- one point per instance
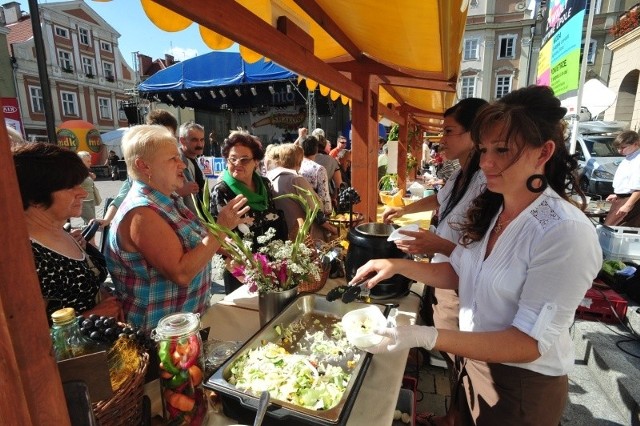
(312, 287)
(125, 406)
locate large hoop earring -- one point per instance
(541, 187)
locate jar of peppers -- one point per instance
(181, 369)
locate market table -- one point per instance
(235, 318)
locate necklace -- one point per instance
(500, 225)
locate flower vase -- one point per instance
(272, 303)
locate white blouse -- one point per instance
(534, 279)
(457, 215)
(627, 177)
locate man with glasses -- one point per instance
(191, 146)
(625, 209)
(341, 144)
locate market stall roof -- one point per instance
(412, 47)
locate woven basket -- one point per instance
(313, 286)
(125, 406)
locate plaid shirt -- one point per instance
(147, 296)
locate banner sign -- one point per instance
(559, 59)
(212, 166)
(11, 111)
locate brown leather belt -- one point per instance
(623, 195)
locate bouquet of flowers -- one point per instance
(277, 265)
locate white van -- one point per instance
(597, 157)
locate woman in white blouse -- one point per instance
(625, 209)
(526, 259)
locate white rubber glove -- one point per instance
(405, 337)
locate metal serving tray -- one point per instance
(241, 405)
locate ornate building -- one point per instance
(89, 77)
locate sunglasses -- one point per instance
(243, 161)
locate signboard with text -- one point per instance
(11, 111)
(559, 59)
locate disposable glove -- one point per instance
(404, 337)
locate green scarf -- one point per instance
(257, 200)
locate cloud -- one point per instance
(181, 53)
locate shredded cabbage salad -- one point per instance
(309, 379)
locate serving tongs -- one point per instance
(349, 293)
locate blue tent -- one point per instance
(207, 74)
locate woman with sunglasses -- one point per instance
(243, 153)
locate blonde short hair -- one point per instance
(83, 154)
(288, 155)
(15, 138)
(143, 141)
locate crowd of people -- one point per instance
(511, 256)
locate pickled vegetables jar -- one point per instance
(181, 369)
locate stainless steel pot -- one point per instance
(369, 241)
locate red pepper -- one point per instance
(192, 352)
(201, 408)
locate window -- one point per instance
(591, 55)
(105, 108)
(106, 46)
(83, 35)
(87, 66)
(503, 85)
(69, 103)
(467, 87)
(470, 49)
(107, 68)
(37, 101)
(506, 46)
(64, 60)
(598, 4)
(121, 115)
(61, 32)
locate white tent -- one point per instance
(596, 97)
(112, 139)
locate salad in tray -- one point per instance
(310, 365)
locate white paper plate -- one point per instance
(397, 236)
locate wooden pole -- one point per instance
(32, 390)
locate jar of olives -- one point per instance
(68, 341)
(181, 368)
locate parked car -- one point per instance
(597, 157)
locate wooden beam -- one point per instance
(364, 147)
(32, 388)
(403, 147)
(379, 67)
(410, 109)
(226, 17)
(389, 113)
(316, 13)
(418, 83)
(287, 27)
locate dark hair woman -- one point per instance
(50, 181)
(527, 257)
(243, 153)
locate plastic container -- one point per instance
(68, 340)
(181, 358)
(359, 325)
(619, 242)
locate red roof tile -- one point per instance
(19, 31)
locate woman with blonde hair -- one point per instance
(159, 253)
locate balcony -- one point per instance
(67, 69)
(110, 78)
(90, 75)
(627, 22)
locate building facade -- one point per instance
(502, 43)
(88, 76)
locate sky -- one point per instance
(139, 34)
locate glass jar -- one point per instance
(181, 368)
(68, 340)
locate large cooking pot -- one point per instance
(369, 241)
